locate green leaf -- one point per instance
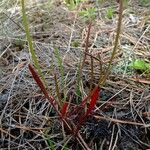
(110, 13)
(148, 66)
(145, 2)
(73, 4)
(89, 13)
(138, 65)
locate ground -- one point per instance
(121, 118)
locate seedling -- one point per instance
(140, 65)
(88, 13)
(73, 4)
(110, 13)
(63, 112)
(73, 117)
(49, 142)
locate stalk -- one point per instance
(30, 43)
(103, 79)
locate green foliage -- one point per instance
(139, 64)
(145, 2)
(50, 143)
(88, 13)
(76, 43)
(73, 4)
(110, 13)
(19, 43)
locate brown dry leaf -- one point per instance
(146, 114)
(140, 80)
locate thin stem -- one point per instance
(103, 79)
(29, 40)
(86, 46)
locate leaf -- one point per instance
(110, 13)
(79, 108)
(64, 109)
(94, 96)
(42, 87)
(148, 66)
(89, 13)
(138, 65)
(52, 101)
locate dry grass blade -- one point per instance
(7, 133)
(119, 121)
